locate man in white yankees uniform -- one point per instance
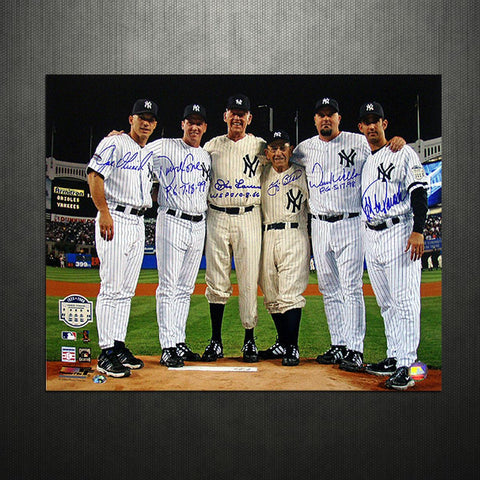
(234, 225)
(183, 170)
(120, 177)
(285, 248)
(394, 209)
(333, 161)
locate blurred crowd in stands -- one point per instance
(79, 233)
(73, 234)
(433, 227)
(70, 232)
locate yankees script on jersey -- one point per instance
(333, 172)
(388, 179)
(285, 248)
(184, 179)
(236, 172)
(127, 170)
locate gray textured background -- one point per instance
(244, 435)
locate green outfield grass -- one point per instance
(91, 275)
(142, 335)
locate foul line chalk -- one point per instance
(216, 369)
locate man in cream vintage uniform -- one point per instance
(394, 209)
(183, 169)
(285, 249)
(234, 225)
(120, 177)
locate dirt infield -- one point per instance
(270, 376)
(62, 289)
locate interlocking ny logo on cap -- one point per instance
(238, 101)
(277, 134)
(326, 101)
(196, 108)
(148, 104)
(369, 107)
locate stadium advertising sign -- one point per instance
(71, 198)
(79, 260)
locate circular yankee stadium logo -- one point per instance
(75, 310)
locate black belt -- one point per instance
(185, 216)
(233, 210)
(279, 226)
(134, 211)
(336, 218)
(383, 225)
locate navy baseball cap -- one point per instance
(326, 102)
(238, 102)
(143, 105)
(195, 109)
(371, 108)
(278, 135)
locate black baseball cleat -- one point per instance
(250, 352)
(170, 358)
(385, 367)
(184, 352)
(291, 357)
(125, 356)
(109, 364)
(400, 380)
(213, 351)
(333, 355)
(277, 350)
(353, 362)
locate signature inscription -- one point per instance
(373, 205)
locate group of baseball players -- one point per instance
(245, 197)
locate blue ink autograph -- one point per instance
(221, 184)
(372, 206)
(345, 176)
(183, 174)
(274, 187)
(127, 162)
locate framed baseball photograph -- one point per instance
(253, 228)
(153, 127)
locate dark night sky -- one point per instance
(79, 104)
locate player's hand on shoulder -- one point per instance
(115, 132)
(416, 246)
(396, 143)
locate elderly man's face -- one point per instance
(237, 120)
(279, 153)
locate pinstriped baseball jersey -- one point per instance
(183, 173)
(285, 252)
(283, 195)
(236, 167)
(333, 171)
(388, 179)
(184, 179)
(127, 170)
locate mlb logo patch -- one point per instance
(69, 335)
(68, 354)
